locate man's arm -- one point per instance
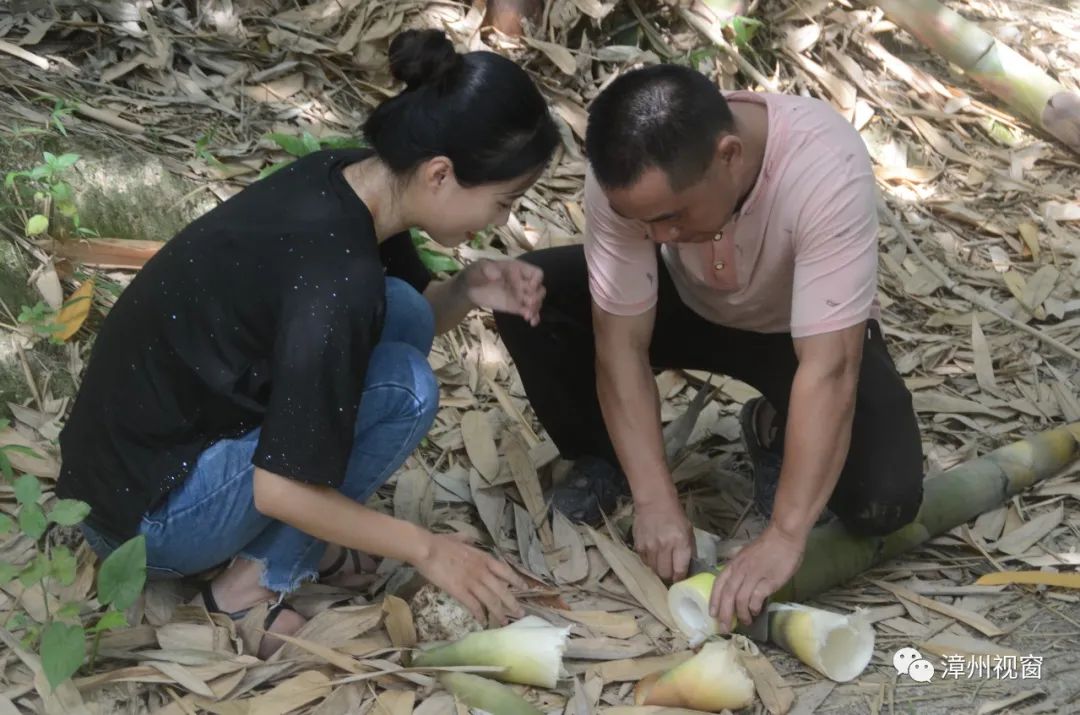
(631, 408)
(818, 432)
(816, 444)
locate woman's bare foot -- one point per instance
(238, 589)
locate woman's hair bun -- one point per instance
(418, 57)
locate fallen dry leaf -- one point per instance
(974, 620)
(1023, 538)
(399, 622)
(642, 583)
(480, 444)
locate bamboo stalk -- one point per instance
(833, 555)
(1024, 87)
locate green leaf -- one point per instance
(62, 191)
(744, 29)
(69, 611)
(122, 574)
(342, 143)
(40, 171)
(36, 571)
(274, 167)
(21, 449)
(69, 512)
(437, 262)
(66, 160)
(7, 572)
(37, 224)
(32, 521)
(50, 158)
(9, 180)
(5, 466)
(292, 145)
(62, 566)
(63, 649)
(110, 620)
(6, 524)
(310, 143)
(27, 489)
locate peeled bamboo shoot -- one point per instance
(529, 650)
(711, 681)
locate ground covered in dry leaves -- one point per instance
(171, 110)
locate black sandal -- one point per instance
(591, 489)
(357, 560)
(212, 606)
(766, 462)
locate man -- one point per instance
(736, 235)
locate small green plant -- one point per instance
(202, 147)
(61, 109)
(51, 190)
(61, 636)
(41, 319)
(743, 30)
(306, 143)
(434, 261)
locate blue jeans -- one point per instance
(211, 517)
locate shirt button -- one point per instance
(719, 265)
(717, 237)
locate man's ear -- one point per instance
(729, 149)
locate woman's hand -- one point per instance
(507, 287)
(478, 581)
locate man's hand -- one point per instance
(754, 574)
(507, 287)
(664, 538)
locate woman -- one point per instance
(267, 370)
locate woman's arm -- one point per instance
(480, 582)
(510, 286)
(449, 301)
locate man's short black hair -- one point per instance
(666, 116)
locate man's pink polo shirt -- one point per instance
(800, 256)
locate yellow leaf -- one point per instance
(399, 622)
(74, 311)
(37, 224)
(1041, 578)
(1030, 234)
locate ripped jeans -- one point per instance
(212, 518)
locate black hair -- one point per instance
(478, 109)
(666, 116)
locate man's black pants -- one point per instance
(880, 488)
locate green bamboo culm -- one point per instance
(1027, 90)
(834, 556)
